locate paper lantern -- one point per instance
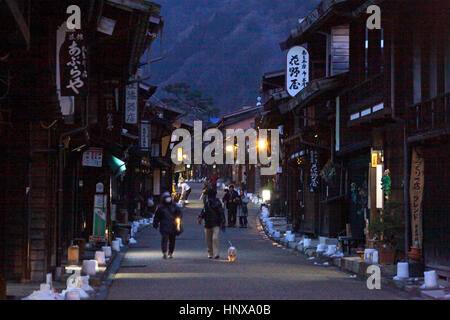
(100, 257)
(331, 250)
(115, 245)
(306, 243)
(90, 267)
(430, 278)
(107, 251)
(73, 255)
(402, 270)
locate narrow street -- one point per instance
(262, 270)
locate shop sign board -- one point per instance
(416, 196)
(99, 226)
(145, 136)
(93, 157)
(131, 103)
(297, 70)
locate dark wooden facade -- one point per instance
(382, 80)
(46, 194)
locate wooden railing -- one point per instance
(429, 115)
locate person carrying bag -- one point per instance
(214, 218)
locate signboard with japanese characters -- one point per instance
(73, 65)
(100, 211)
(297, 70)
(93, 157)
(131, 103)
(416, 196)
(145, 136)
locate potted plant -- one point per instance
(386, 229)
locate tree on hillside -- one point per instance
(190, 100)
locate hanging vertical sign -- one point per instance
(297, 70)
(73, 64)
(314, 171)
(416, 196)
(131, 103)
(145, 136)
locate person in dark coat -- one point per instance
(165, 218)
(231, 200)
(214, 217)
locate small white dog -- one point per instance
(232, 253)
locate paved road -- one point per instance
(262, 270)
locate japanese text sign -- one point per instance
(297, 70)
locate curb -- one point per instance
(108, 277)
(386, 282)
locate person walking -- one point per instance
(168, 218)
(243, 210)
(185, 191)
(214, 217)
(231, 200)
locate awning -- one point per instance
(116, 164)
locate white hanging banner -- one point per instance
(297, 70)
(131, 103)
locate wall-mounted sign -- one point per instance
(99, 227)
(145, 136)
(297, 70)
(416, 196)
(99, 188)
(131, 103)
(93, 157)
(73, 64)
(374, 159)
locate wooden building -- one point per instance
(364, 86)
(57, 145)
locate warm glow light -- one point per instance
(178, 221)
(229, 148)
(262, 144)
(266, 195)
(180, 154)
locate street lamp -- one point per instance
(262, 144)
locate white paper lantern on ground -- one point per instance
(100, 258)
(331, 250)
(290, 237)
(402, 270)
(276, 234)
(90, 267)
(115, 245)
(430, 278)
(107, 251)
(321, 248)
(306, 243)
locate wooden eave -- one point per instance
(314, 90)
(325, 14)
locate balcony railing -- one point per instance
(429, 115)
